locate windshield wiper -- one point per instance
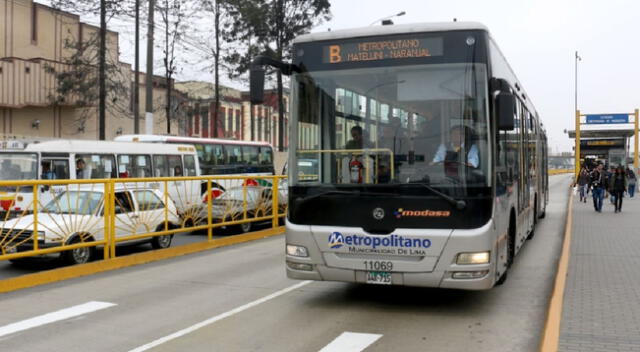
(459, 204)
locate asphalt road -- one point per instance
(231, 290)
(37, 264)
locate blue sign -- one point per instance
(607, 118)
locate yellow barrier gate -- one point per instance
(73, 218)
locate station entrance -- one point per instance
(605, 138)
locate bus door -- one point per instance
(53, 166)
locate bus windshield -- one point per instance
(418, 124)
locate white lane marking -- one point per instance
(52, 317)
(216, 318)
(351, 342)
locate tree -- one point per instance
(101, 7)
(173, 13)
(218, 10)
(76, 79)
(268, 27)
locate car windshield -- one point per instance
(400, 125)
(17, 166)
(75, 202)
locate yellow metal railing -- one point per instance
(559, 171)
(58, 216)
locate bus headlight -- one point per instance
(297, 251)
(473, 258)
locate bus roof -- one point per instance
(186, 140)
(107, 147)
(373, 31)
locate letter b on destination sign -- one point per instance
(334, 54)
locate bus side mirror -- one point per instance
(506, 108)
(256, 84)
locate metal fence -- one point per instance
(75, 218)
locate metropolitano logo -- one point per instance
(336, 240)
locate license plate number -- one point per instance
(378, 277)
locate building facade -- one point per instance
(237, 118)
(38, 48)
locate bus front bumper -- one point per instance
(445, 273)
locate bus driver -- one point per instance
(461, 140)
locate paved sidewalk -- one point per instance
(601, 310)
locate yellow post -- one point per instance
(577, 148)
(112, 225)
(635, 138)
(107, 220)
(274, 196)
(209, 210)
(166, 209)
(35, 217)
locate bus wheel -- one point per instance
(511, 241)
(78, 255)
(535, 221)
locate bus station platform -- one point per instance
(601, 310)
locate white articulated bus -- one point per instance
(83, 159)
(430, 165)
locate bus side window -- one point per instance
(96, 166)
(219, 154)
(160, 167)
(266, 156)
(250, 155)
(61, 169)
(142, 166)
(235, 154)
(175, 165)
(189, 165)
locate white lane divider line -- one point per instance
(351, 342)
(216, 318)
(53, 317)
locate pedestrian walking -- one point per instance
(617, 186)
(598, 186)
(610, 173)
(631, 177)
(583, 184)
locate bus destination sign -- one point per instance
(396, 49)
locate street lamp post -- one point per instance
(577, 121)
(578, 58)
(401, 13)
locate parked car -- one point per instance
(230, 205)
(76, 216)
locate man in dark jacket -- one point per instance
(598, 186)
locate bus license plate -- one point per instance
(379, 277)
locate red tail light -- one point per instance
(215, 193)
(6, 204)
(250, 182)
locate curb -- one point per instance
(551, 333)
(60, 274)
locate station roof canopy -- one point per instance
(603, 133)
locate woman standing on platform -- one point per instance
(632, 182)
(617, 186)
(583, 183)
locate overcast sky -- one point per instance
(539, 39)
